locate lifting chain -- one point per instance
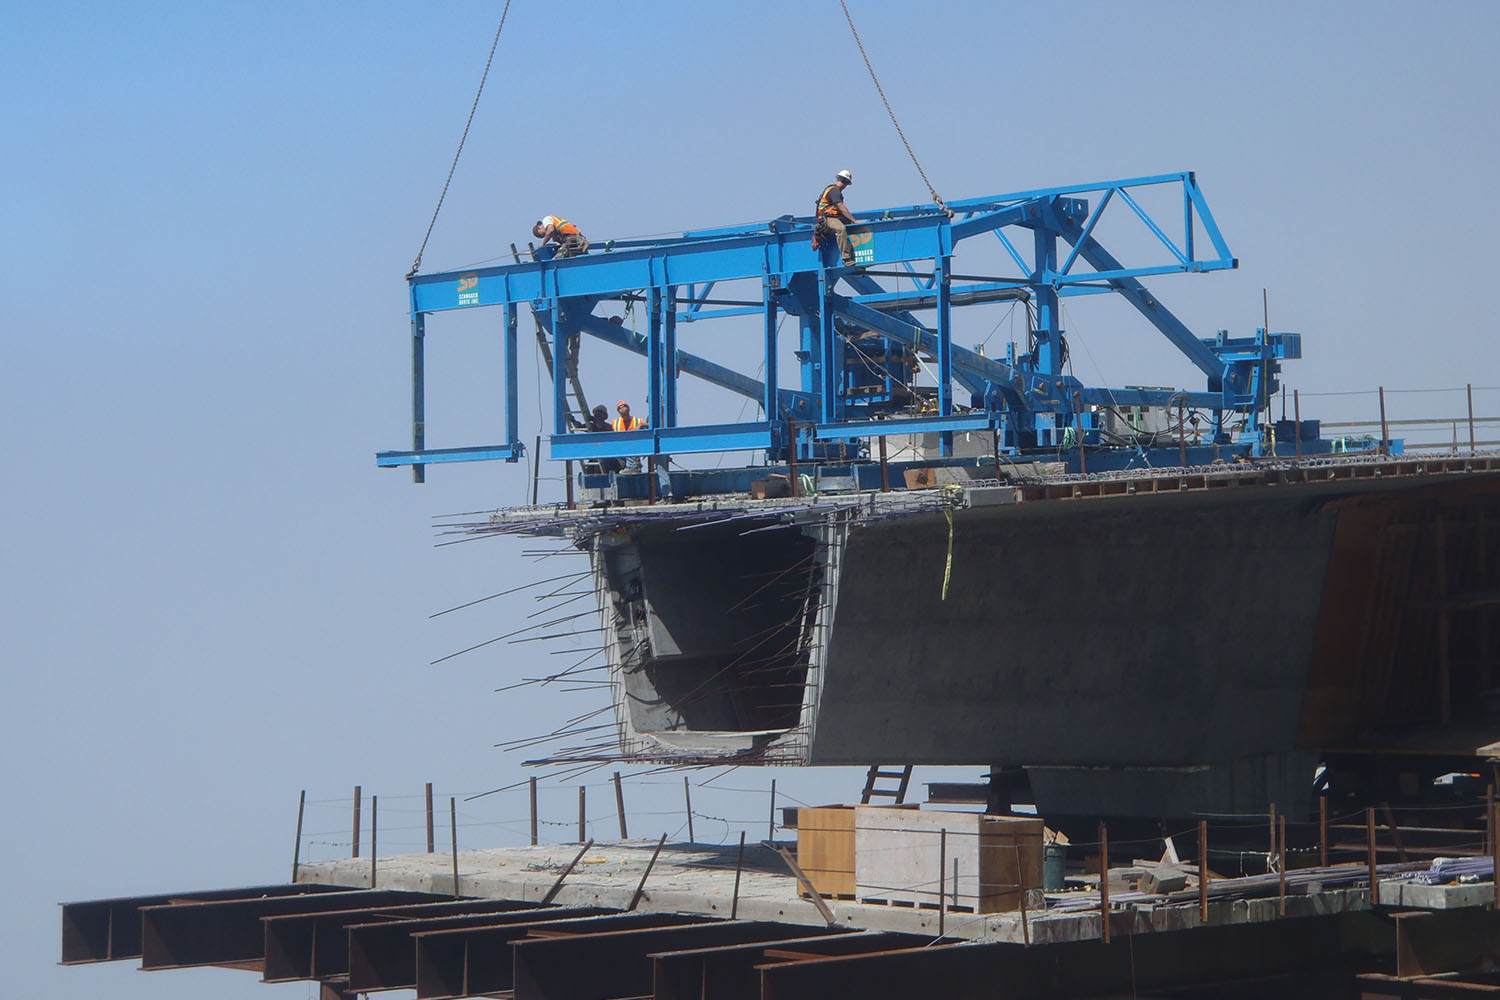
(881, 90)
(420, 250)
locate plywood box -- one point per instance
(825, 848)
(900, 855)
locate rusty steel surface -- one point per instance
(316, 945)
(109, 930)
(619, 963)
(479, 961)
(229, 932)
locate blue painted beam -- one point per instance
(661, 441)
(1143, 300)
(911, 425)
(432, 456)
(730, 258)
(689, 364)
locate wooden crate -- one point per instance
(899, 854)
(825, 848)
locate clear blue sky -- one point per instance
(212, 596)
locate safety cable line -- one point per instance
(881, 90)
(456, 153)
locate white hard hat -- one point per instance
(845, 176)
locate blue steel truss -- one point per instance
(859, 335)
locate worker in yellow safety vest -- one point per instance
(570, 241)
(833, 214)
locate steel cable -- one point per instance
(416, 264)
(899, 131)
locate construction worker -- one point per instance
(570, 241)
(833, 215)
(625, 422)
(599, 422)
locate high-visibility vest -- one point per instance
(563, 226)
(634, 424)
(823, 207)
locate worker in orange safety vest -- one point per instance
(833, 214)
(625, 422)
(570, 241)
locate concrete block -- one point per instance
(901, 856)
(1443, 897)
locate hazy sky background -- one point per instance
(213, 598)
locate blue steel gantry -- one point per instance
(860, 342)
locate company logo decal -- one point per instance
(468, 290)
(864, 246)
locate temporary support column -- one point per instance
(769, 402)
(419, 392)
(1048, 327)
(556, 321)
(669, 359)
(512, 397)
(942, 276)
(654, 408)
(828, 381)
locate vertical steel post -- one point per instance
(772, 835)
(1489, 818)
(1048, 323)
(1281, 881)
(739, 866)
(942, 279)
(791, 458)
(1297, 416)
(297, 850)
(620, 806)
(1470, 389)
(418, 389)
(1181, 436)
(1370, 856)
(533, 812)
(654, 408)
(942, 878)
(568, 482)
(453, 833)
(356, 822)
(430, 844)
(582, 815)
(1083, 462)
(828, 380)
(669, 358)
(1104, 882)
(1323, 830)
(1495, 846)
(374, 822)
(1385, 434)
(769, 401)
(687, 797)
(536, 467)
(512, 397)
(1020, 874)
(885, 472)
(1271, 856)
(1203, 875)
(559, 369)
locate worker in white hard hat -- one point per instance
(833, 215)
